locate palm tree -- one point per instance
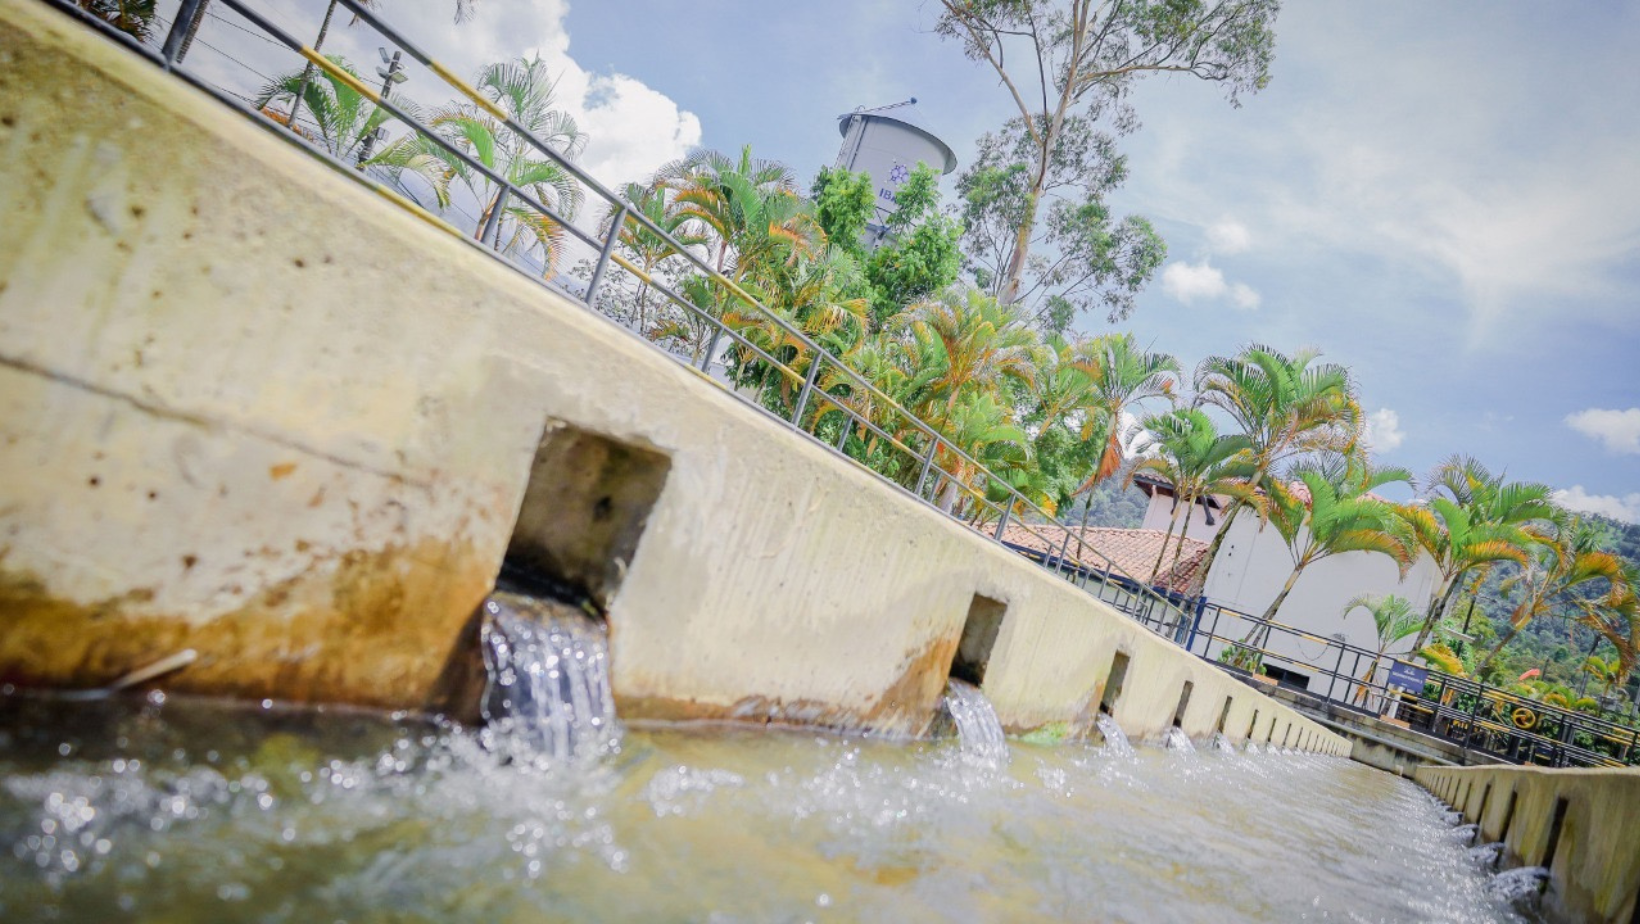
(1473, 519)
(133, 17)
(1608, 673)
(1198, 462)
(1286, 406)
(646, 249)
(978, 343)
(735, 204)
(1122, 376)
(342, 117)
(1392, 620)
(1569, 570)
(1339, 515)
(524, 90)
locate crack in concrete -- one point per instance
(203, 422)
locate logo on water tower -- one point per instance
(899, 174)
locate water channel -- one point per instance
(133, 809)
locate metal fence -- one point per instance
(822, 396)
(1473, 715)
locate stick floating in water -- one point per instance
(159, 668)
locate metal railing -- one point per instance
(1473, 715)
(894, 444)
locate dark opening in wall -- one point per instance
(1224, 715)
(1113, 683)
(1508, 819)
(979, 635)
(1288, 730)
(1184, 703)
(585, 507)
(1480, 816)
(1554, 835)
(1271, 735)
(1252, 727)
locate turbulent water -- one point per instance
(184, 812)
(978, 729)
(548, 694)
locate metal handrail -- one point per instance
(934, 441)
(1359, 690)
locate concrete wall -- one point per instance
(250, 408)
(1595, 873)
(1254, 563)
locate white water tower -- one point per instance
(888, 148)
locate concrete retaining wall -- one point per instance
(1595, 869)
(250, 408)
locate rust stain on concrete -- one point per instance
(370, 628)
(906, 705)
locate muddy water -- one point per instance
(182, 812)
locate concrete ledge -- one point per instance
(248, 407)
(1594, 872)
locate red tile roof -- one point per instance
(1132, 551)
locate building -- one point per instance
(1253, 563)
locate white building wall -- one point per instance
(1160, 510)
(1254, 563)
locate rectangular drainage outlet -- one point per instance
(1113, 683)
(585, 507)
(1184, 703)
(979, 636)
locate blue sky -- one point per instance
(1445, 199)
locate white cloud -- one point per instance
(1189, 282)
(1618, 431)
(1383, 430)
(632, 128)
(1229, 236)
(1625, 508)
(1244, 297)
(1192, 282)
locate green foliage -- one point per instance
(133, 17)
(844, 204)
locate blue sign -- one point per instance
(1407, 677)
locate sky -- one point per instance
(1444, 198)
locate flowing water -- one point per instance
(1177, 740)
(978, 730)
(182, 811)
(548, 694)
(1116, 740)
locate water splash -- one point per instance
(1116, 740)
(1452, 818)
(1221, 743)
(977, 726)
(1486, 854)
(548, 690)
(1517, 884)
(1177, 740)
(1252, 748)
(1466, 832)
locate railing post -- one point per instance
(848, 424)
(711, 346)
(1339, 667)
(928, 463)
(186, 13)
(492, 223)
(1063, 548)
(603, 257)
(1002, 522)
(803, 396)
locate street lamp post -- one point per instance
(390, 75)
